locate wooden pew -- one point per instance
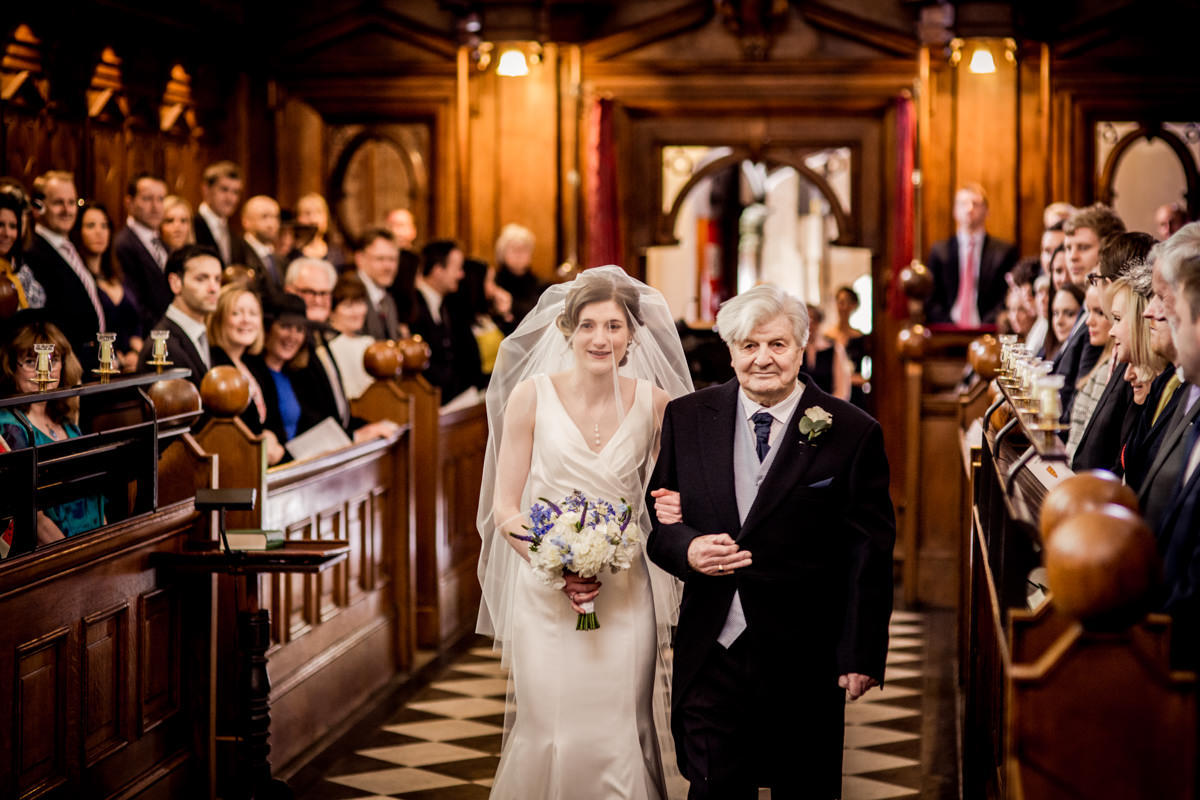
(106, 659)
(1074, 698)
(340, 637)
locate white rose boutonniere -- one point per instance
(815, 421)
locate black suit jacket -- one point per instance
(1159, 482)
(1181, 570)
(143, 275)
(454, 363)
(205, 237)
(180, 352)
(317, 392)
(67, 303)
(1147, 436)
(268, 284)
(996, 260)
(821, 532)
(261, 375)
(1100, 445)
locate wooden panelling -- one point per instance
(40, 719)
(159, 662)
(985, 142)
(463, 437)
(104, 667)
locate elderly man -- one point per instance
(321, 381)
(771, 466)
(1179, 533)
(72, 297)
(969, 267)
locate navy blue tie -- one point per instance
(762, 433)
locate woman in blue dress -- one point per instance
(49, 422)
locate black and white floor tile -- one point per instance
(445, 743)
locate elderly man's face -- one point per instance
(1161, 341)
(1187, 337)
(768, 361)
(313, 285)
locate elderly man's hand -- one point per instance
(856, 685)
(716, 554)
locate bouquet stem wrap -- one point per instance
(587, 621)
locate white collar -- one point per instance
(213, 219)
(781, 411)
(191, 327)
(375, 292)
(261, 249)
(432, 297)
(57, 240)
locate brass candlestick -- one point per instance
(42, 377)
(159, 353)
(107, 357)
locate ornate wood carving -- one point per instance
(106, 99)
(755, 23)
(177, 113)
(22, 82)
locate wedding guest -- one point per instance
(14, 212)
(52, 421)
(312, 212)
(854, 341)
(1085, 230)
(1019, 303)
(176, 228)
(72, 299)
(1091, 385)
(350, 303)
(1057, 213)
(472, 293)
(1052, 239)
(377, 260)
(235, 335)
(285, 353)
(140, 250)
(825, 361)
(1059, 270)
(1169, 218)
(514, 259)
(222, 190)
(1064, 312)
(403, 226)
(92, 237)
(260, 229)
(454, 363)
(194, 275)
(1040, 333)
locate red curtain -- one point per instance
(906, 133)
(603, 228)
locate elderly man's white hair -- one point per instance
(300, 264)
(740, 315)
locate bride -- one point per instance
(575, 403)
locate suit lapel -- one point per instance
(1171, 440)
(714, 443)
(791, 462)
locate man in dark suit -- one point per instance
(140, 251)
(72, 297)
(1180, 534)
(377, 260)
(260, 226)
(222, 192)
(194, 275)
(771, 466)
(969, 267)
(454, 363)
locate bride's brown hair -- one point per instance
(597, 288)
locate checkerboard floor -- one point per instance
(445, 743)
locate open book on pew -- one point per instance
(324, 437)
(254, 539)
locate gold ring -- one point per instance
(720, 567)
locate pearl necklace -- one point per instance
(596, 431)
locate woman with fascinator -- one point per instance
(575, 404)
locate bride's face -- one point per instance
(601, 337)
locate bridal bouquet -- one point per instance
(581, 535)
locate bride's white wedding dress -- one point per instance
(584, 724)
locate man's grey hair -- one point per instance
(740, 315)
(1183, 243)
(300, 264)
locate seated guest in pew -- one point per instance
(377, 260)
(176, 228)
(1091, 386)
(1111, 420)
(194, 275)
(92, 237)
(1085, 230)
(1156, 497)
(288, 358)
(14, 207)
(350, 303)
(52, 421)
(1179, 534)
(454, 361)
(320, 383)
(235, 335)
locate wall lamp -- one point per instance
(982, 61)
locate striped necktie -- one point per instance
(71, 256)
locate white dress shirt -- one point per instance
(432, 298)
(150, 240)
(219, 226)
(194, 330)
